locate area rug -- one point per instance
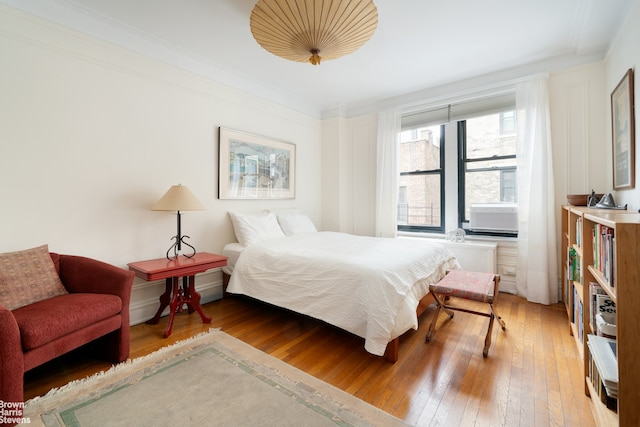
(212, 379)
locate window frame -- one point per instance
(441, 172)
(462, 169)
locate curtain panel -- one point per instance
(387, 174)
(537, 277)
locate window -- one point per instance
(421, 179)
(487, 162)
(508, 186)
(507, 122)
(476, 141)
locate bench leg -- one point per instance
(433, 324)
(439, 305)
(487, 340)
(495, 313)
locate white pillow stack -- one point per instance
(251, 228)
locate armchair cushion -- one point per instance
(50, 319)
(28, 276)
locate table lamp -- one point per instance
(178, 198)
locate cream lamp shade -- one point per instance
(179, 198)
(313, 30)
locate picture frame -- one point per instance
(255, 167)
(623, 133)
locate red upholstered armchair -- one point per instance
(96, 307)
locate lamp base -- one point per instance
(177, 246)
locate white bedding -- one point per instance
(365, 285)
(232, 251)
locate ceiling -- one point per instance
(418, 45)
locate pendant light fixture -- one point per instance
(313, 30)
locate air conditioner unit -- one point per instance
(502, 217)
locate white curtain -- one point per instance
(387, 174)
(537, 278)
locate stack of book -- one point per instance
(601, 304)
(603, 369)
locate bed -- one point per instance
(371, 287)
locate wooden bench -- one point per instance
(469, 285)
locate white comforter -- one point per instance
(365, 285)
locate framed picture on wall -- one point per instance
(255, 167)
(623, 133)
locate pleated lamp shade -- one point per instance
(313, 30)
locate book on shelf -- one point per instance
(579, 231)
(612, 266)
(604, 252)
(573, 265)
(600, 303)
(580, 321)
(567, 291)
(577, 314)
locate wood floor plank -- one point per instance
(515, 356)
(496, 381)
(449, 375)
(554, 398)
(466, 403)
(527, 405)
(531, 377)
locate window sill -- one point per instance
(468, 238)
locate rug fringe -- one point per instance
(114, 369)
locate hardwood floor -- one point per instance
(532, 376)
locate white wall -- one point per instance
(332, 205)
(92, 135)
(578, 131)
(349, 174)
(624, 54)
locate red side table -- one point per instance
(171, 270)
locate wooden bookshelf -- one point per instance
(623, 287)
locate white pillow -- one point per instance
(255, 227)
(296, 223)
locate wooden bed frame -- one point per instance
(393, 348)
